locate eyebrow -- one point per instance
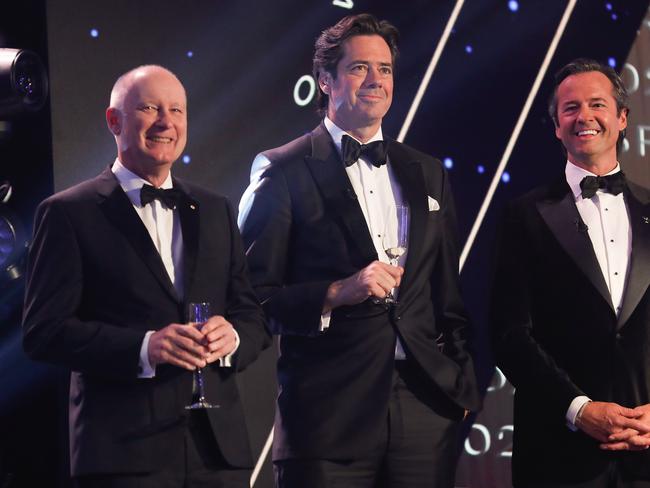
(592, 99)
(365, 61)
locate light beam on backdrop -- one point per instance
(424, 84)
(516, 131)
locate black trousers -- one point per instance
(418, 447)
(611, 478)
(197, 464)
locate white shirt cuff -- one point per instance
(144, 367)
(226, 361)
(324, 321)
(573, 410)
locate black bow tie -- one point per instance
(169, 197)
(375, 152)
(613, 184)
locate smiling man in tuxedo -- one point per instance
(370, 394)
(571, 305)
(113, 265)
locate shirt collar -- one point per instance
(132, 183)
(575, 174)
(337, 134)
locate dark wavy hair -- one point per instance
(328, 49)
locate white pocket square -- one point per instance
(434, 206)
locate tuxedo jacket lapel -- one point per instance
(188, 211)
(638, 278)
(411, 179)
(118, 209)
(561, 215)
(329, 173)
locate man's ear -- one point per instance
(114, 120)
(324, 82)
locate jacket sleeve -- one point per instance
(243, 309)
(53, 330)
(525, 362)
(296, 308)
(449, 308)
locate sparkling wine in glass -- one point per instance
(395, 238)
(199, 313)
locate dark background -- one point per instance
(240, 63)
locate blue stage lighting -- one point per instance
(481, 169)
(614, 17)
(94, 33)
(513, 5)
(608, 6)
(190, 54)
(505, 177)
(468, 49)
(449, 163)
(187, 159)
(612, 62)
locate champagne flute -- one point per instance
(199, 313)
(395, 238)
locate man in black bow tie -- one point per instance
(571, 304)
(370, 394)
(113, 265)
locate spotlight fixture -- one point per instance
(23, 82)
(13, 242)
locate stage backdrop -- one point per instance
(471, 87)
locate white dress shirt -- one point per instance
(377, 190)
(608, 225)
(164, 227)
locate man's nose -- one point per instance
(164, 117)
(373, 78)
(584, 114)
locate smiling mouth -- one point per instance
(587, 132)
(160, 139)
(371, 96)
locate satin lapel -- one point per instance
(562, 217)
(188, 212)
(638, 278)
(332, 180)
(411, 180)
(118, 209)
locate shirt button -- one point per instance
(615, 273)
(611, 240)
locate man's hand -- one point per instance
(218, 337)
(180, 345)
(376, 279)
(601, 420)
(632, 439)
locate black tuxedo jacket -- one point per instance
(96, 284)
(556, 335)
(305, 230)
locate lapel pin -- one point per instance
(646, 220)
(193, 207)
